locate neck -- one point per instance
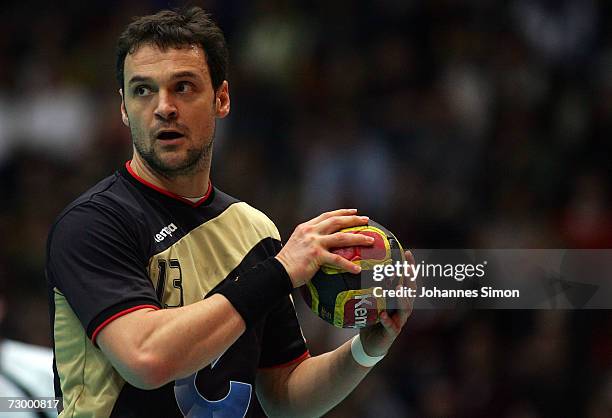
(190, 185)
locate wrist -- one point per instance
(286, 264)
(360, 356)
(254, 292)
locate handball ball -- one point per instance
(347, 300)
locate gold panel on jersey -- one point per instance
(94, 392)
(200, 260)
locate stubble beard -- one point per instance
(196, 160)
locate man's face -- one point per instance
(170, 107)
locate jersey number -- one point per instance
(177, 283)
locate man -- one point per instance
(169, 297)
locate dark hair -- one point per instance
(175, 29)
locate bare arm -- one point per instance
(150, 348)
(311, 388)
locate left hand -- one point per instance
(377, 339)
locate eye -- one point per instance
(141, 91)
(184, 87)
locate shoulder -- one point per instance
(246, 216)
(111, 198)
(109, 207)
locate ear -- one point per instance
(222, 100)
(124, 115)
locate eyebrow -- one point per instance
(180, 74)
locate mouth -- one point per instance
(169, 135)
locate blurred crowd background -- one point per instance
(456, 124)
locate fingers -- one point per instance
(344, 239)
(341, 262)
(308, 247)
(405, 304)
(411, 279)
(409, 257)
(403, 313)
(326, 215)
(390, 325)
(396, 321)
(336, 223)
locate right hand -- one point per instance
(309, 246)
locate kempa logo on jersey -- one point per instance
(165, 232)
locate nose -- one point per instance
(166, 109)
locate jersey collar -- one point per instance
(167, 192)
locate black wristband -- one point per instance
(254, 292)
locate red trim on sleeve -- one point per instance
(290, 362)
(117, 315)
(166, 192)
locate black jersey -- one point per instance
(127, 245)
